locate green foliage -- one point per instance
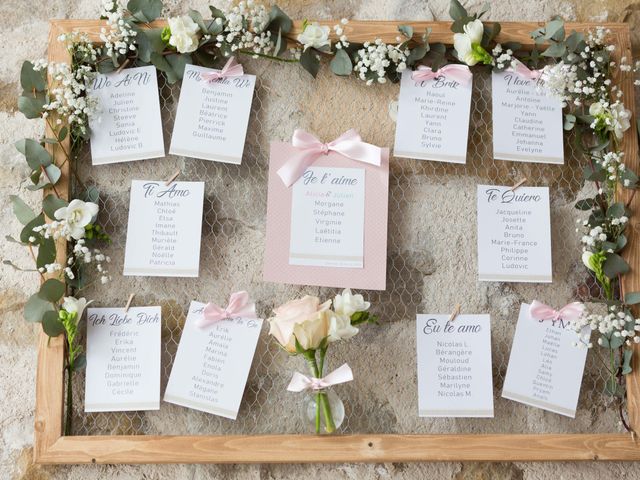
(145, 10)
(51, 290)
(172, 65)
(310, 61)
(35, 154)
(51, 203)
(51, 324)
(36, 307)
(341, 63)
(21, 210)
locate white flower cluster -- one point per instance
(79, 45)
(593, 237)
(119, 38)
(343, 41)
(585, 77)
(616, 323)
(245, 29)
(613, 164)
(502, 58)
(67, 97)
(82, 256)
(375, 58)
(610, 117)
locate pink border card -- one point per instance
(373, 275)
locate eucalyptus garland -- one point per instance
(577, 69)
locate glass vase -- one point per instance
(323, 411)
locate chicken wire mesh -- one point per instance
(431, 265)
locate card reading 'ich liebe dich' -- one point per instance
(327, 213)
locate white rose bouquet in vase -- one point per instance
(307, 327)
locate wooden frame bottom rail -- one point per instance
(339, 449)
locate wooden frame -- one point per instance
(53, 448)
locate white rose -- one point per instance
(77, 215)
(75, 305)
(340, 328)
(314, 36)
(474, 30)
(347, 303)
(311, 332)
(304, 318)
(183, 33)
(621, 117)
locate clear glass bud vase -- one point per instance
(323, 411)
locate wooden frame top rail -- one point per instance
(52, 448)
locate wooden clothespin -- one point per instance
(172, 178)
(128, 305)
(520, 182)
(455, 313)
(634, 437)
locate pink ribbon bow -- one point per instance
(570, 312)
(310, 149)
(239, 306)
(524, 71)
(460, 73)
(231, 69)
(300, 382)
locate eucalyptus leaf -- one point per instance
(38, 186)
(46, 252)
(149, 41)
(456, 10)
(585, 204)
(621, 242)
(27, 231)
(632, 298)
(555, 50)
(278, 20)
(53, 173)
(91, 194)
(569, 121)
(626, 361)
(616, 210)
(15, 267)
(406, 30)
(554, 30)
(196, 16)
(30, 107)
(51, 324)
(615, 342)
(10, 239)
(172, 65)
(80, 362)
(145, 10)
(417, 53)
(22, 211)
(51, 203)
(614, 265)
(341, 63)
(51, 290)
(31, 79)
(310, 62)
(35, 154)
(217, 13)
(35, 308)
(62, 134)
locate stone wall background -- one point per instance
(23, 36)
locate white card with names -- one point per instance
(545, 367)
(164, 229)
(327, 218)
(514, 234)
(454, 366)
(527, 122)
(128, 125)
(212, 117)
(433, 119)
(212, 364)
(123, 359)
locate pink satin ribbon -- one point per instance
(524, 71)
(310, 149)
(239, 306)
(459, 73)
(300, 382)
(570, 312)
(231, 69)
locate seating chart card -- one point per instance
(527, 123)
(123, 359)
(128, 125)
(454, 366)
(164, 229)
(212, 364)
(545, 367)
(212, 117)
(433, 119)
(514, 234)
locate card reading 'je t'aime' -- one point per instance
(527, 121)
(212, 364)
(123, 359)
(545, 367)
(454, 366)
(330, 227)
(164, 229)
(212, 117)
(514, 234)
(433, 118)
(128, 125)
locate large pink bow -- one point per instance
(521, 69)
(300, 382)
(239, 306)
(460, 73)
(570, 312)
(310, 149)
(231, 69)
